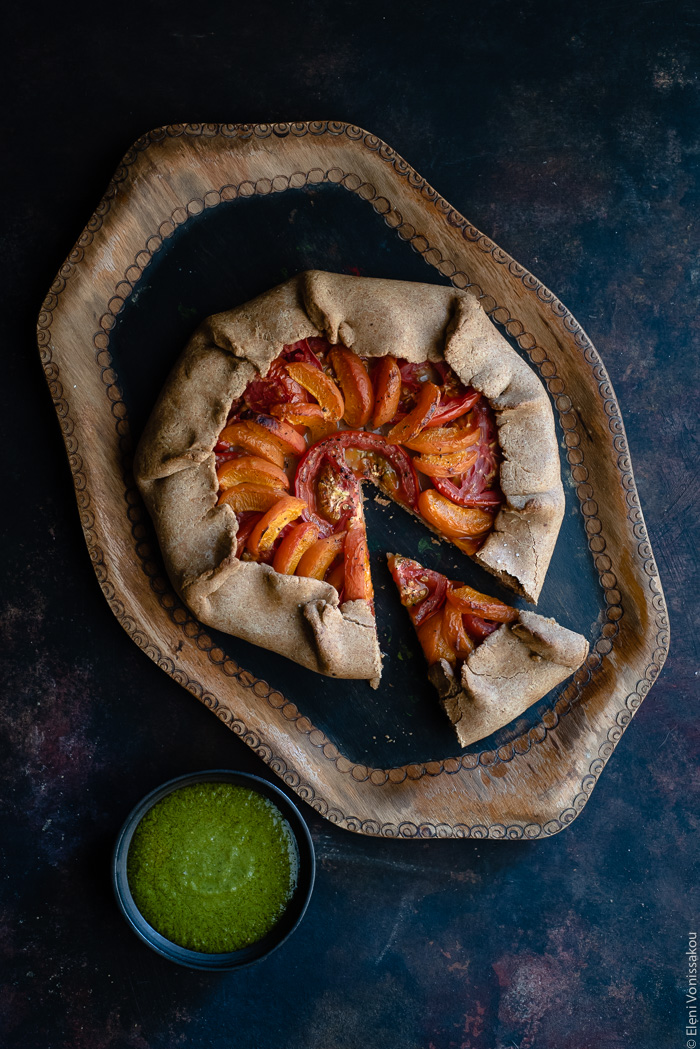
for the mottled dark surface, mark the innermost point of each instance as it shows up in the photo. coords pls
(568, 133)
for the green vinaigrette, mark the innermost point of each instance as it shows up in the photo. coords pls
(212, 866)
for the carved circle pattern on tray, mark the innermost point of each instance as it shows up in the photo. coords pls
(142, 534)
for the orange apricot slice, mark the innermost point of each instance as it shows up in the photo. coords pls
(443, 439)
(452, 464)
(270, 525)
(253, 439)
(290, 439)
(355, 384)
(293, 547)
(358, 580)
(454, 632)
(319, 558)
(426, 406)
(451, 520)
(320, 386)
(253, 469)
(433, 641)
(246, 496)
(466, 599)
(387, 391)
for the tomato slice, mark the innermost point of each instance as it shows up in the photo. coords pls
(251, 468)
(320, 386)
(466, 599)
(289, 438)
(387, 391)
(246, 496)
(477, 487)
(275, 387)
(358, 580)
(263, 536)
(246, 524)
(454, 408)
(447, 465)
(297, 413)
(478, 628)
(451, 520)
(252, 438)
(319, 557)
(333, 449)
(304, 350)
(355, 383)
(421, 590)
(293, 547)
(434, 642)
(412, 424)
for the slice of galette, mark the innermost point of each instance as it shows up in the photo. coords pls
(489, 662)
(253, 460)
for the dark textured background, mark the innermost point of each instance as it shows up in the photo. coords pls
(571, 136)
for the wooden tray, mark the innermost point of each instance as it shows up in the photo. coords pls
(199, 218)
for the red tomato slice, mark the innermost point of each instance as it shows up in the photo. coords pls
(333, 449)
(478, 487)
(304, 351)
(454, 408)
(421, 590)
(478, 628)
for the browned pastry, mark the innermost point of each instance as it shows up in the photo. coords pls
(302, 617)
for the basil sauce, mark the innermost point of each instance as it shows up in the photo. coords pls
(212, 866)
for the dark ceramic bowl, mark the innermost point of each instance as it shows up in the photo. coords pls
(286, 924)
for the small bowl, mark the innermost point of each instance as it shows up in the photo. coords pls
(287, 922)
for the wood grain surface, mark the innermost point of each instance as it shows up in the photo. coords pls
(535, 777)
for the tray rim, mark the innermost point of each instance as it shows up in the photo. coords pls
(378, 150)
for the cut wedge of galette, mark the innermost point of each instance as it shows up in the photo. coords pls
(253, 460)
(489, 662)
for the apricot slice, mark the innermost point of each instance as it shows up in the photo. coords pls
(452, 464)
(387, 391)
(251, 468)
(466, 599)
(443, 439)
(451, 520)
(254, 439)
(290, 439)
(433, 641)
(246, 496)
(320, 386)
(355, 384)
(270, 525)
(358, 580)
(294, 546)
(319, 558)
(426, 406)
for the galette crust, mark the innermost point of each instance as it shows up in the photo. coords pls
(175, 463)
(514, 667)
